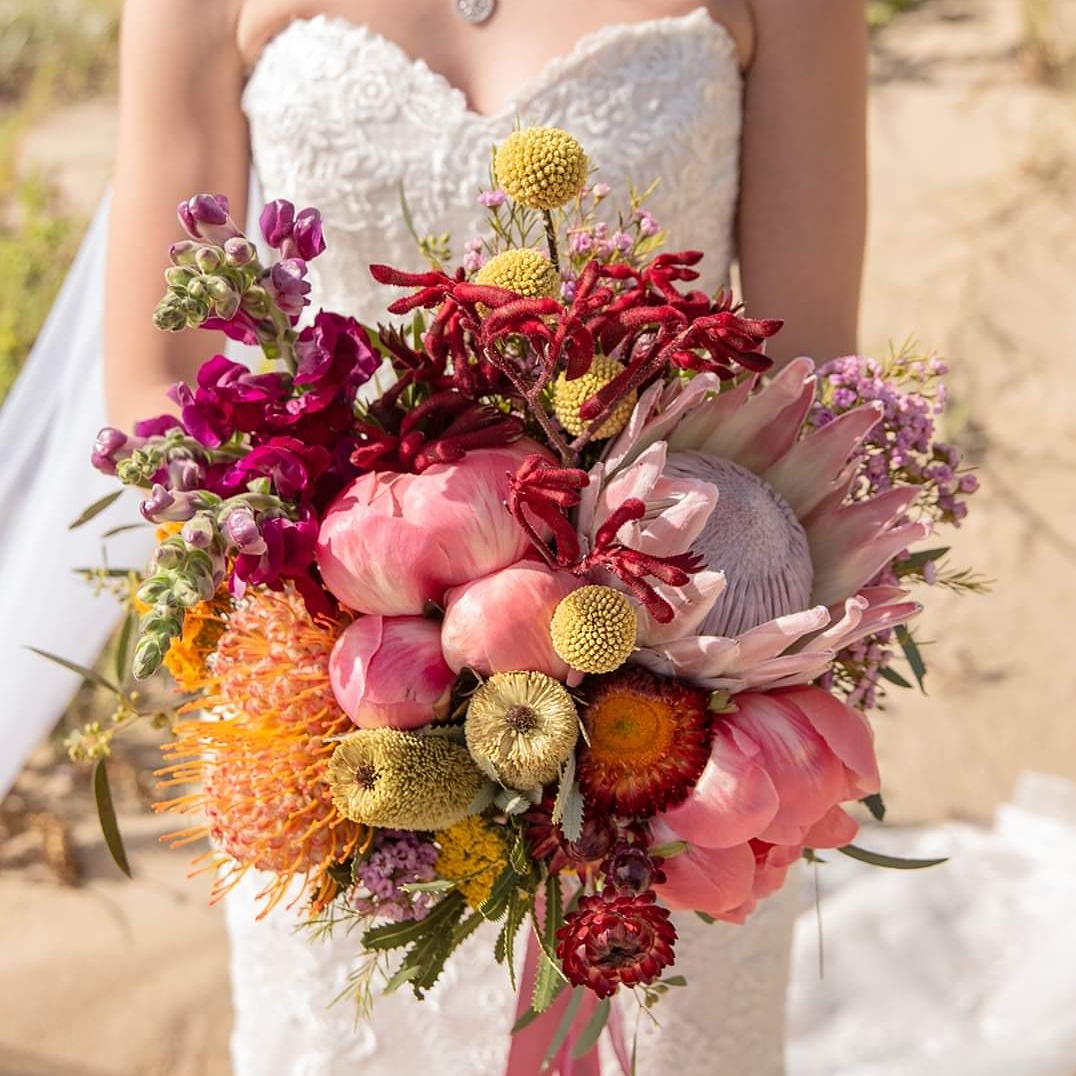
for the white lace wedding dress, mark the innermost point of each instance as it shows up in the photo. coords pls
(341, 118)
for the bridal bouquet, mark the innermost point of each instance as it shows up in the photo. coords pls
(545, 605)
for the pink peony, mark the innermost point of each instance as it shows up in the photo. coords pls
(779, 768)
(392, 542)
(501, 622)
(728, 883)
(389, 672)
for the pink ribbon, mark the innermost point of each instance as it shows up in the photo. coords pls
(531, 1044)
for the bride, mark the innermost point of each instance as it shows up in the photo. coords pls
(752, 111)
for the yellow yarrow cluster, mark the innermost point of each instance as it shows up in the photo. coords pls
(525, 271)
(541, 167)
(473, 855)
(569, 397)
(593, 629)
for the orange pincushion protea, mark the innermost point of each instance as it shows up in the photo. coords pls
(648, 741)
(262, 766)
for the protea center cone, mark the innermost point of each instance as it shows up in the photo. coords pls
(789, 555)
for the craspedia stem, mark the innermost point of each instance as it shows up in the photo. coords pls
(551, 239)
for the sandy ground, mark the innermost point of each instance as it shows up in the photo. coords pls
(971, 249)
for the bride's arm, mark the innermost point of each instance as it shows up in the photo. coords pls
(802, 219)
(182, 132)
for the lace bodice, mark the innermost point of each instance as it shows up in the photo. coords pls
(341, 118)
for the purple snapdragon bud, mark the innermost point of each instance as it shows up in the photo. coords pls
(185, 474)
(287, 286)
(295, 236)
(492, 199)
(205, 216)
(308, 236)
(198, 532)
(110, 447)
(184, 252)
(170, 506)
(242, 530)
(239, 251)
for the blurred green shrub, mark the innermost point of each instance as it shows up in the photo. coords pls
(882, 12)
(36, 248)
(65, 47)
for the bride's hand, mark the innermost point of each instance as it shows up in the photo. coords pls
(182, 131)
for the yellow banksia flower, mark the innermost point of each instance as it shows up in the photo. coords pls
(522, 270)
(473, 855)
(521, 727)
(569, 397)
(541, 167)
(399, 780)
(593, 629)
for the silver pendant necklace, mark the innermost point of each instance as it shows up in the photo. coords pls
(475, 11)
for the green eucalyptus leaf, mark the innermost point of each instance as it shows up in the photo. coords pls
(674, 980)
(403, 976)
(879, 859)
(875, 804)
(96, 509)
(706, 918)
(924, 556)
(122, 655)
(86, 673)
(894, 677)
(106, 814)
(123, 528)
(911, 652)
(588, 1039)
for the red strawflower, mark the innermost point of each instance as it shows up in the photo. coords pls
(629, 867)
(648, 741)
(549, 845)
(616, 938)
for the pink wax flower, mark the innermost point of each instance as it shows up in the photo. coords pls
(388, 672)
(500, 622)
(392, 542)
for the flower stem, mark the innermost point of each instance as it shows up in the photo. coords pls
(551, 239)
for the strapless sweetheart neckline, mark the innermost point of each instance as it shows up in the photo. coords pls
(553, 71)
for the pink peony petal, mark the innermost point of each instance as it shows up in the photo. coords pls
(808, 776)
(733, 800)
(389, 672)
(391, 542)
(847, 733)
(710, 880)
(500, 622)
(834, 829)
